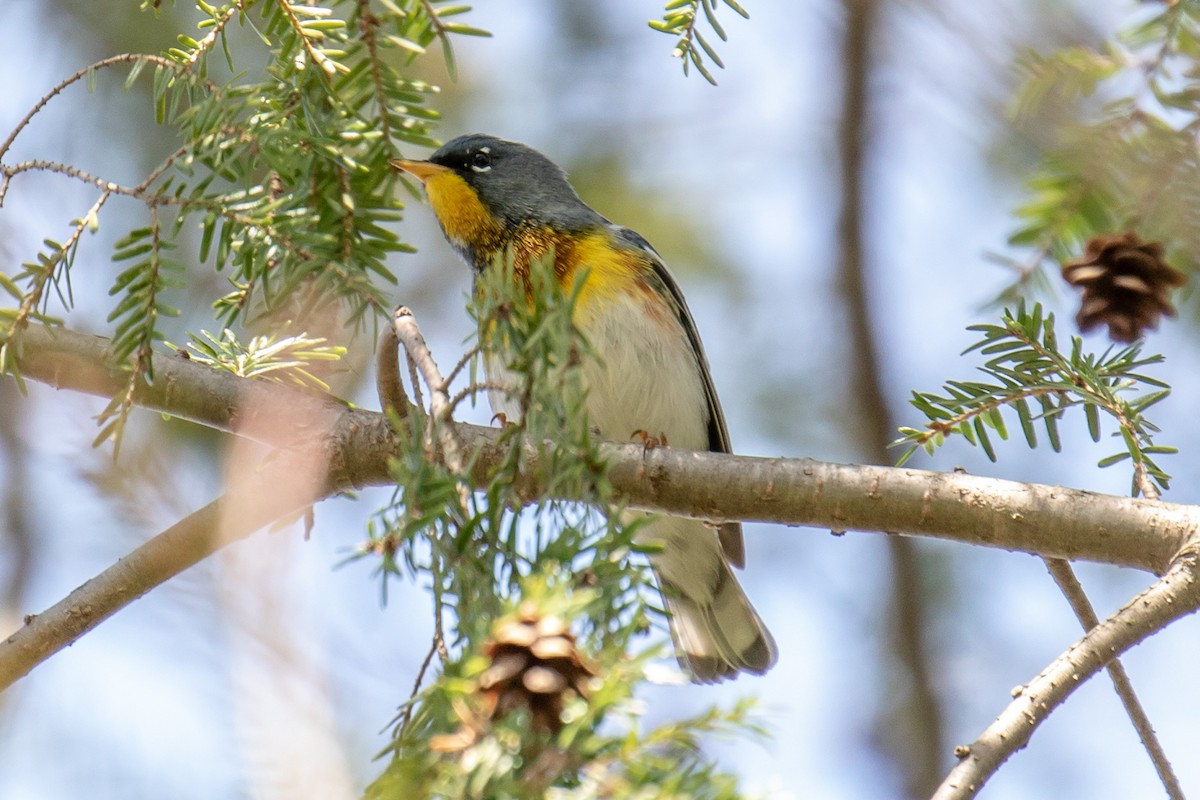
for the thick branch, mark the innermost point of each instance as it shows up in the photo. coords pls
(357, 446)
(1175, 595)
(1043, 520)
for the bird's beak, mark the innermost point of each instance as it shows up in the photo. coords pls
(423, 170)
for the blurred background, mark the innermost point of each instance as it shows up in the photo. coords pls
(829, 209)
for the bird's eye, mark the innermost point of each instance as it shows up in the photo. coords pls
(481, 161)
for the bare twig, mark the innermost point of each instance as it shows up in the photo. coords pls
(1175, 595)
(388, 385)
(474, 389)
(463, 362)
(124, 58)
(434, 643)
(1071, 588)
(440, 409)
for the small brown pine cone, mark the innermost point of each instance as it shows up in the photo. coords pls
(534, 665)
(1126, 285)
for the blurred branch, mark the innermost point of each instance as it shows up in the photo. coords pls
(358, 446)
(166, 555)
(915, 740)
(1071, 588)
(1175, 595)
(17, 531)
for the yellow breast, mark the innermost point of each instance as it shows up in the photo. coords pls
(610, 272)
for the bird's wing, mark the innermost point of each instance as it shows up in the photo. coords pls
(718, 434)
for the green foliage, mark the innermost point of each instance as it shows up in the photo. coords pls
(600, 751)
(140, 286)
(286, 359)
(1029, 375)
(482, 557)
(474, 546)
(281, 168)
(682, 21)
(1126, 159)
(285, 115)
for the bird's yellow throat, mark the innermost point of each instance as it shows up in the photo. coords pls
(469, 225)
(464, 218)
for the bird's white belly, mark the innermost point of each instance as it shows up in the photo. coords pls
(646, 376)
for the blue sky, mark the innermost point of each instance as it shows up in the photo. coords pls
(267, 669)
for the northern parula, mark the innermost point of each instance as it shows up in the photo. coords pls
(493, 196)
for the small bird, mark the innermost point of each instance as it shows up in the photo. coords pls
(493, 196)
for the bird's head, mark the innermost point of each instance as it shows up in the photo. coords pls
(483, 188)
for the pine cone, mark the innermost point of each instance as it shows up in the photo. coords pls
(1126, 285)
(535, 665)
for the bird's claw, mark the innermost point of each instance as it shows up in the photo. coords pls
(649, 442)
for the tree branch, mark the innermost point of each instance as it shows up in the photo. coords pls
(358, 446)
(1043, 520)
(1175, 595)
(388, 385)
(1072, 589)
(195, 537)
(910, 729)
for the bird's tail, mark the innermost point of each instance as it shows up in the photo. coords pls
(717, 632)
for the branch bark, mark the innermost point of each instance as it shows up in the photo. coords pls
(1033, 518)
(1072, 589)
(357, 446)
(184, 544)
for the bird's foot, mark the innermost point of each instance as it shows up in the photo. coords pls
(648, 441)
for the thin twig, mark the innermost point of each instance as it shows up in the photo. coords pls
(440, 418)
(439, 27)
(123, 58)
(1174, 595)
(462, 363)
(476, 388)
(37, 288)
(412, 696)
(1141, 479)
(1072, 589)
(326, 65)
